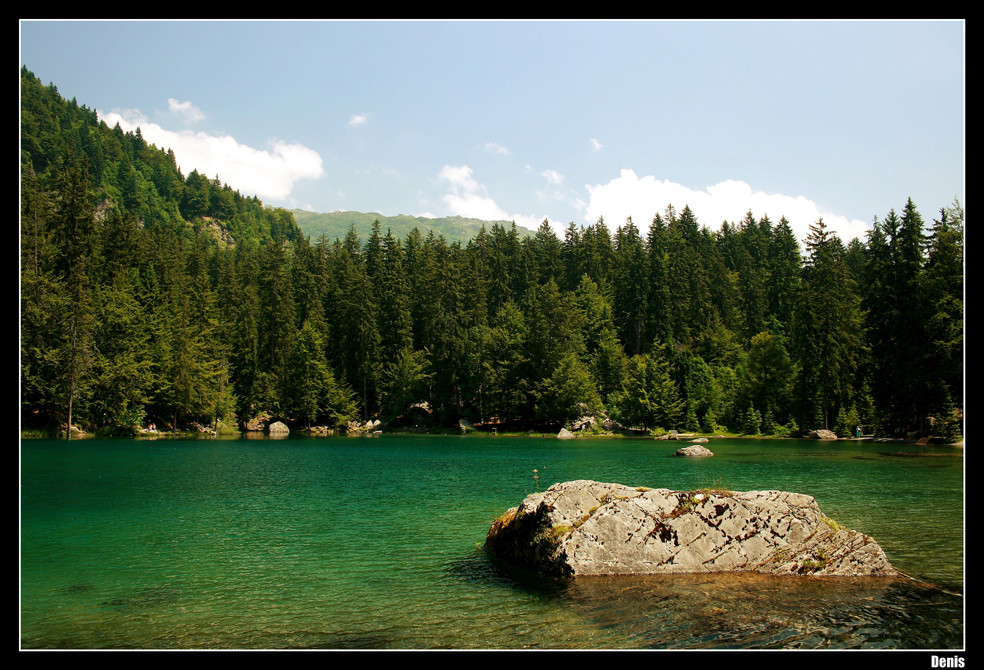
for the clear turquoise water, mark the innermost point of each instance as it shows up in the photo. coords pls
(375, 543)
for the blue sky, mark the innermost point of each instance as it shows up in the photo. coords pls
(526, 120)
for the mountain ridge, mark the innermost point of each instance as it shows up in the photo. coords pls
(336, 225)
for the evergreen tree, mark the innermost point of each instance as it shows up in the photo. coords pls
(785, 266)
(943, 290)
(568, 393)
(506, 365)
(766, 376)
(658, 303)
(649, 397)
(73, 228)
(826, 331)
(353, 320)
(44, 301)
(546, 253)
(405, 381)
(311, 379)
(395, 321)
(244, 317)
(631, 287)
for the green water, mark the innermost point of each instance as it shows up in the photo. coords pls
(375, 543)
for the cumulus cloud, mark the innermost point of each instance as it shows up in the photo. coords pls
(642, 198)
(358, 119)
(469, 198)
(185, 110)
(268, 173)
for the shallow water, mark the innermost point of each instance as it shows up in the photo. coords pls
(375, 543)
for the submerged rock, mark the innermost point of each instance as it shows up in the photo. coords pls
(585, 527)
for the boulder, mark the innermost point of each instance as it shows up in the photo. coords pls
(694, 451)
(822, 434)
(565, 434)
(586, 527)
(465, 427)
(699, 440)
(278, 428)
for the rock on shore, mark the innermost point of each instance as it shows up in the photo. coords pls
(585, 527)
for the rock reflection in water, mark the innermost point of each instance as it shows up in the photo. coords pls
(747, 610)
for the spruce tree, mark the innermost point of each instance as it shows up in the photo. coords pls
(73, 228)
(826, 330)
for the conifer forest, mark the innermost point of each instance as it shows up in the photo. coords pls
(150, 296)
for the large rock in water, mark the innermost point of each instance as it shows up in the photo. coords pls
(694, 451)
(278, 428)
(590, 528)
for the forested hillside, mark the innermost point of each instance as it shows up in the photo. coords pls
(150, 296)
(337, 224)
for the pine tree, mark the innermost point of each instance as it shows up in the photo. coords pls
(44, 301)
(649, 397)
(546, 252)
(394, 318)
(568, 393)
(785, 265)
(826, 330)
(506, 365)
(405, 381)
(73, 228)
(943, 290)
(353, 320)
(244, 320)
(766, 376)
(631, 287)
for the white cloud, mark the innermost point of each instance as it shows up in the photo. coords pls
(554, 178)
(595, 144)
(186, 110)
(497, 148)
(469, 198)
(358, 119)
(269, 174)
(642, 198)
(460, 178)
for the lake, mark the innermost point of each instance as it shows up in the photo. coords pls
(375, 543)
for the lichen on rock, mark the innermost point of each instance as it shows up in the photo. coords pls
(585, 527)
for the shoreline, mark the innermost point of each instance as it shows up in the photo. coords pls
(449, 432)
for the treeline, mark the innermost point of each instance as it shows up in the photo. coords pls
(151, 297)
